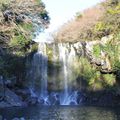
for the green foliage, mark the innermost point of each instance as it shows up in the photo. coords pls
(85, 68)
(18, 36)
(99, 26)
(111, 18)
(95, 81)
(19, 42)
(96, 50)
(116, 66)
(34, 47)
(38, 1)
(4, 3)
(12, 66)
(118, 36)
(109, 79)
(113, 52)
(109, 23)
(101, 81)
(49, 53)
(27, 26)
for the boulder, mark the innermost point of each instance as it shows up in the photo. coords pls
(11, 99)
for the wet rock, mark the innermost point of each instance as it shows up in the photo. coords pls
(11, 99)
(54, 98)
(25, 93)
(15, 119)
(1, 118)
(9, 83)
(57, 102)
(72, 103)
(32, 100)
(41, 101)
(22, 118)
(4, 104)
(106, 99)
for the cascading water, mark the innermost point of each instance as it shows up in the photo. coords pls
(67, 54)
(64, 54)
(39, 74)
(43, 63)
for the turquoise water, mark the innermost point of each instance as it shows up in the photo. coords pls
(62, 113)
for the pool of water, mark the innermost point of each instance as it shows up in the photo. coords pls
(62, 113)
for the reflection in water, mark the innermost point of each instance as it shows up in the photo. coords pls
(62, 113)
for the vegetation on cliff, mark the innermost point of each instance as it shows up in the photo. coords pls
(96, 24)
(19, 19)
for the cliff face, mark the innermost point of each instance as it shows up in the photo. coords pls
(97, 30)
(86, 65)
(19, 19)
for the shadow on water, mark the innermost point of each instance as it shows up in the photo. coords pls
(62, 113)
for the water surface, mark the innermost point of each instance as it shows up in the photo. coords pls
(62, 113)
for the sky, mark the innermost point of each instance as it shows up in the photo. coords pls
(60, 11)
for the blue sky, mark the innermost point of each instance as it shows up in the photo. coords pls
(60, 11)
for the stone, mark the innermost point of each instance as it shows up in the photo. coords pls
(23, 92)
(11, 99)
(16, 119)
(32, 100)
(22, 118)
(1, 118)
(106, 39)
(4, 104)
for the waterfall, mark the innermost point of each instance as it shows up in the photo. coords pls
(62, 54)
(43, 65)
(67, 55)
(39, 74)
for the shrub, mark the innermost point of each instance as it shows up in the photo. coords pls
(85, 69)
(96, 50)
(19, 42)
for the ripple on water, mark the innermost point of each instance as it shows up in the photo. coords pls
(62, 113)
